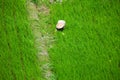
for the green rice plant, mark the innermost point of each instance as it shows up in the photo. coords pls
(88, 48)
(18, 60)
(35, 1)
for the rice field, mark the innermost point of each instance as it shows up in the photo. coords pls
(18, 59)
(87, 49)
(89, 46)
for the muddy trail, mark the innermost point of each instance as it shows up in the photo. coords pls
(38, 15)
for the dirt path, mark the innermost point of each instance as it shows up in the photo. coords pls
(43, 39)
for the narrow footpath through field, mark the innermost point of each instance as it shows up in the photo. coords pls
(38, 15)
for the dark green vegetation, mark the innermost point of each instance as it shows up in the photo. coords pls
(88, 48)
(17, 52)
(35, 1)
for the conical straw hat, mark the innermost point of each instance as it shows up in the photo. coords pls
(60, 24)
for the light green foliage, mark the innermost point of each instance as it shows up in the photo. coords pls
(17, 52)
(89, 48)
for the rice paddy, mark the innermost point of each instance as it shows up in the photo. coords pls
(87, 49)
(18, 59)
